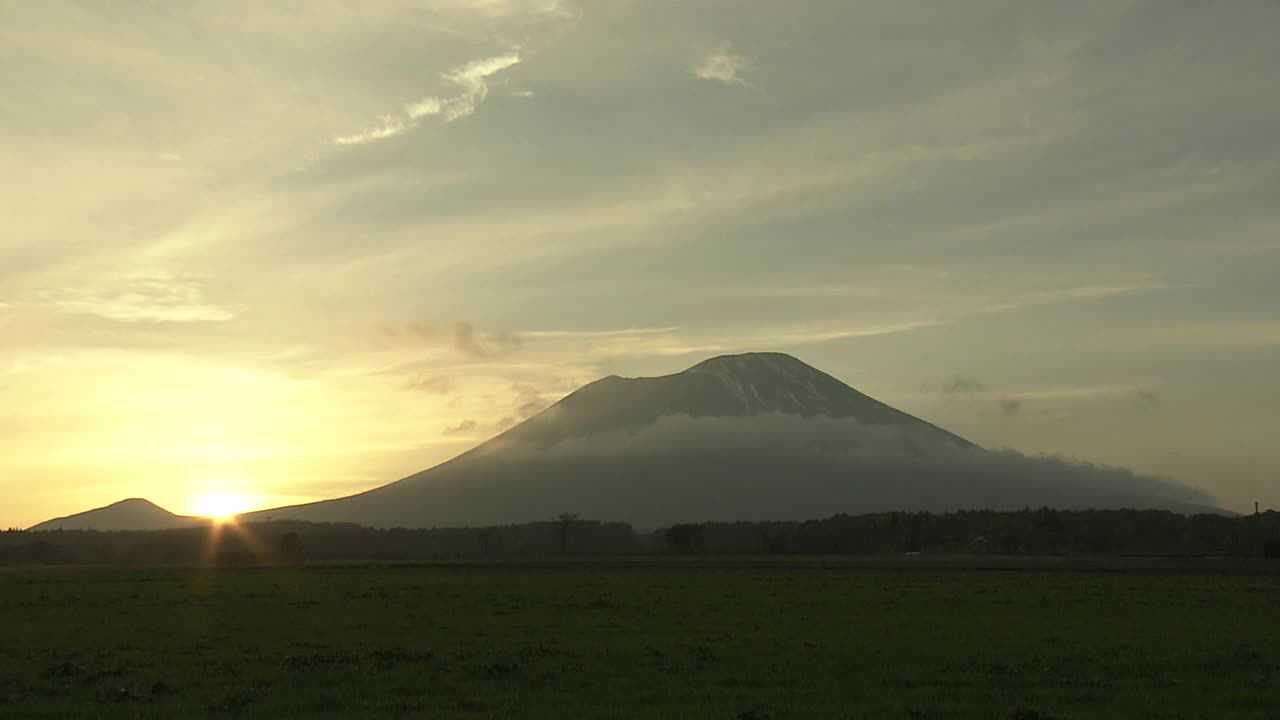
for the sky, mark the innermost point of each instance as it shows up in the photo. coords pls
(278, 252)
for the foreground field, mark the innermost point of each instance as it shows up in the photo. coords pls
(581, 641)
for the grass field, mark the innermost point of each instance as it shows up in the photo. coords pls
(584, 641)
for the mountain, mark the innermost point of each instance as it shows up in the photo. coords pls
(740, 437)
(131, 514)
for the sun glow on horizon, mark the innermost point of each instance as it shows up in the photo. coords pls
(221, 505)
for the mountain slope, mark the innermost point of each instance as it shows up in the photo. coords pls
(131, 514)
(740, 437)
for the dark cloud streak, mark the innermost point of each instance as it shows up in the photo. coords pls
(1145, 400)
(466, 427)
(1010, 406)
(963, 385)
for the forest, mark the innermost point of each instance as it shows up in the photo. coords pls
(1042, 531)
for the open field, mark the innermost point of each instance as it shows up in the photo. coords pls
(738, 640)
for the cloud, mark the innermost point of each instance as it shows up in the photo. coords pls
(471, 79)
(832, 465)
(426, 332)
(529, 400)
(500, 8)
(424, 107)
(468, 342)
(1078, 393)
(433, 385)
(1146, 400)
(721, 65)
(1010, 406)
(147, 296)
(963, 385)
(575, 334)
(466, 427)
(390, 126)
(471, 82)
(464, 338)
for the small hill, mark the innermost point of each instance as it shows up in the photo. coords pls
(131, 514)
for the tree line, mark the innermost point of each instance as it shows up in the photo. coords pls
(1042, 531)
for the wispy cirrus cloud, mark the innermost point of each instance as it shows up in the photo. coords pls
(471, 82)
(390, 126)
(141, 297)
(1079, 393)
(515, 7)
(574, 334)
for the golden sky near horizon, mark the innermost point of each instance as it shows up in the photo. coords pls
(282, 252)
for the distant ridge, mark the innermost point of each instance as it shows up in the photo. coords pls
(130, 514)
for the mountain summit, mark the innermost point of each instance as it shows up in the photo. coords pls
(758, 436)
(744, 385)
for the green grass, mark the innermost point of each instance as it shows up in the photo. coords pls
(610, 642)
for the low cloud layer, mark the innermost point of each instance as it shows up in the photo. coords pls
(996, 478)
(773, 467)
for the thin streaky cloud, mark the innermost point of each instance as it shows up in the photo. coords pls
(390, 126)
(1076, 393)
(550, 334)
(145, 297)
(473, 87)
(499, 8)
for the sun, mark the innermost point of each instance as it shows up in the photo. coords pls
(221, 505)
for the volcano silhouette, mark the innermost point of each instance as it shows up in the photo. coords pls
(758, 436)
